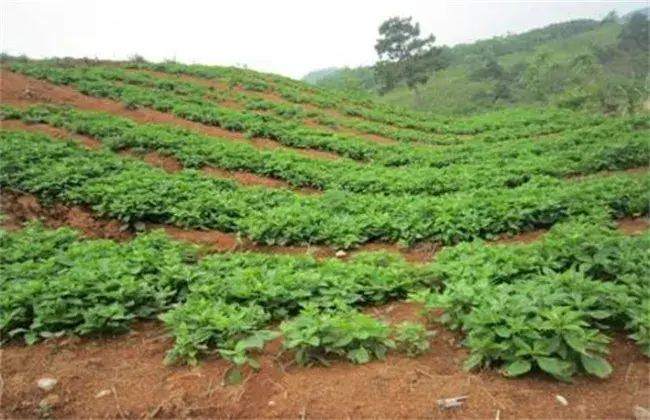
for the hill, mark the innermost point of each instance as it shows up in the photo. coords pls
(269, 233)
(579, 64)
(317, 75)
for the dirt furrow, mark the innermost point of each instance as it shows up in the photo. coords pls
(166, 163)
(138, 384)
(19, 207)
(20, 90)
(272, 97)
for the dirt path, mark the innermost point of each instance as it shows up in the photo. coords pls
(124, 377)
(20, 90)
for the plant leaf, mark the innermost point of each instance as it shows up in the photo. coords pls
(235, 376)
(474, 361)
(596, 366)
(558, 368)
(518, 367)
(359, 355)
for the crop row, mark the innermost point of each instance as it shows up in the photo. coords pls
(289, 133)
(133, 191)
(196, 150)
(558, 123)
(531, 121)
(292, 134)
(545, 305)
(251, 102)
(528, 123)
(523, 124)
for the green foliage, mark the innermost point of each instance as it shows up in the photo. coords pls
(200, 324)
(539, 306)
(412, 338)
(475, 166)
(404, 56)
(314, 336)
(620, 48)
(51, 282)
(544, 305)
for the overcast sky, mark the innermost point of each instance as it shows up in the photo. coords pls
(290, 37)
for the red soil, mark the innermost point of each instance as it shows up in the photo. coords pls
(138, 385)
(54, 132)
(19, 90)
(375, 137)
(165, 163)
(631, 226)
(272, 97)
(521, 238)
(251, 179)
(18, 208)
(637, 170)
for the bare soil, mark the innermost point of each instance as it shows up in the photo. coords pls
(20, 90)
(633, 226)
(124, 377)
(56, 133)
(19, 208)
(272, 97)
(166, 163)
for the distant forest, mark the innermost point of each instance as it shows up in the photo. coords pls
(591, 65)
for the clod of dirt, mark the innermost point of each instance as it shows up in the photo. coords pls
(454, 402)
(641, 413)
(561, 400)
(47, 384)
(103, 393)
(341, 253)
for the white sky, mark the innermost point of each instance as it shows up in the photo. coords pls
(289, 37)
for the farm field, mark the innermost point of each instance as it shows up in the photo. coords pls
(196, 241)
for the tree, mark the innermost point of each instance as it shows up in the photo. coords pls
(635, 34)
(612, 16)
(489, 69)
(404, 56)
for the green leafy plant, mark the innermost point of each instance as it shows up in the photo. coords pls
(314, 336)
(240, 354)
(412, 338)
(200, 326)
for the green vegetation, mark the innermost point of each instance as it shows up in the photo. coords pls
(132, 191)
(315, 334)
(580, 65)
(412, 338)
(470, 167)
(546, 304)
(549, 304)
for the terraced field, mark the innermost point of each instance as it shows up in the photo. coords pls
(271, 228)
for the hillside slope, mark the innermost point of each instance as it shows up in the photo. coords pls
(318, 213)
(576, 64)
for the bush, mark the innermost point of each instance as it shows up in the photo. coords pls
(315, 335)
